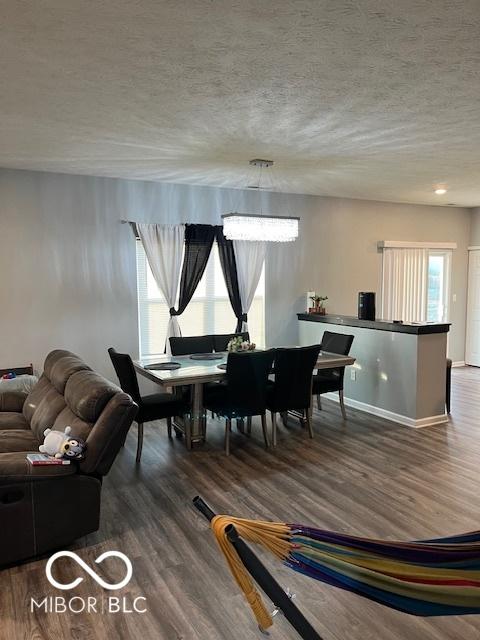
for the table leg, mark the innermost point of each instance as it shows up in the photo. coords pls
(194, 428)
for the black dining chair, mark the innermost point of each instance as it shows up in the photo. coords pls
(156, 406)
(244, 393)
(221, 340)
(184, 346)
(330, 380)
(292, 388)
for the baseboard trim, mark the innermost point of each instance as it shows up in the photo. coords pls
(458, 363)
(429, 421)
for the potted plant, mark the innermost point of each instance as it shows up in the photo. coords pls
(318, 304)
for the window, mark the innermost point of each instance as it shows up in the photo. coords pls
(416, 284)
(438, 285)
(209, 310)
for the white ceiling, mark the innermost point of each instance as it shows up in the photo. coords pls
(374, 99)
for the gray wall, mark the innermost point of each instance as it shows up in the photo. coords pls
(345, 234)
(67, 265)
(475, 228)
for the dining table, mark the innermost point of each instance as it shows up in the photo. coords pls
(197, 369)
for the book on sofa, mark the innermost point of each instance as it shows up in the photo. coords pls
(37, 459)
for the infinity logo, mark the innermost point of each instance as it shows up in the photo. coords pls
(91, 573)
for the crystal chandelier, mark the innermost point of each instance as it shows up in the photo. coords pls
(252, 226)
(259, 227)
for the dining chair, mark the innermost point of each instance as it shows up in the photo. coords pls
(330, 380)
(156, 406)
(244, 393)
(221, 340)
(291, 389)
(184, 346)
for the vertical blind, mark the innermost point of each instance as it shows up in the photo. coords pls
(404, 284)
(415, 284)
(209, 310)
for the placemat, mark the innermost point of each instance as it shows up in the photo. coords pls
(222, 366)
(163, 366)
(207, 356)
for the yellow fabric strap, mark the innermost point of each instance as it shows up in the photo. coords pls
(271, 535)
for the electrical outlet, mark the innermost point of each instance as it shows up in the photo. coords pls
(353, 374)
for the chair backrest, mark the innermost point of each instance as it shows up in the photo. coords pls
(184, 346)
(292, 388)
(340, 343)
(220, 341)
(247, 377)
(123, 365)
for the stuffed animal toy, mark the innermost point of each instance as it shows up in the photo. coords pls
(61, 445)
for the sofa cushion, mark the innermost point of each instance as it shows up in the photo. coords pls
(87, 394)
(42, 407)
(80, 428)
(15, 467)
(12, 420)
(12, 440)
(12, 400)
(60, 365)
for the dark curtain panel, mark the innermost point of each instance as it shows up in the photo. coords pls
(198, 244)
(229, 268)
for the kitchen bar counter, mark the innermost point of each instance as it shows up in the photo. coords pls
(382, 325)
(400, 369)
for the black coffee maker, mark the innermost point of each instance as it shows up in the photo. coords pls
(366, 305)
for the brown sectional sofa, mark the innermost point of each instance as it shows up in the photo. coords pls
(45, 508)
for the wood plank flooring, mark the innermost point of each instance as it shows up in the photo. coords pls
(366, 476)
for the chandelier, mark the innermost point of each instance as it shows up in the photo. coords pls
(259, 227)
(252, 226)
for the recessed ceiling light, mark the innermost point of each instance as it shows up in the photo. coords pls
(440, 191)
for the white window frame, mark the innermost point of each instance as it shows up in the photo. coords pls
(447, 279)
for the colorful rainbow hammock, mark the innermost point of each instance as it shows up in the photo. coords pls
(426, 578)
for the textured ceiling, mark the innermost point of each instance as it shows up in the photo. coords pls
(356, 98)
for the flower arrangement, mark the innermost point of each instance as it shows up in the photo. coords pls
(238, 344)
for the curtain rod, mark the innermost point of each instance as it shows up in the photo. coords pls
(133, 225)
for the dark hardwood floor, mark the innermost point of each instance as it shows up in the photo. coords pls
(366, 476)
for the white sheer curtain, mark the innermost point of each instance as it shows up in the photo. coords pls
(405, 284)
(164, 246)
(249, 258)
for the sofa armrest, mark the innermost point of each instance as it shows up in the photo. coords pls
(14, 467)
(12, 401)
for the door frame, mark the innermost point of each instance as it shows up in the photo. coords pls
(470, 248)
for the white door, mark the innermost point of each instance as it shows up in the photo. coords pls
(472, 348)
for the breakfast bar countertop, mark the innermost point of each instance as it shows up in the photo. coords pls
(419, 328)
